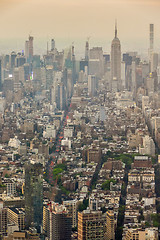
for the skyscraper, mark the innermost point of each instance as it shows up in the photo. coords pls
(110, 226)
(90, 225)
(87, 51)
(30, 46)
(116, 63)
(154, 61)
(3, 220)
(52, 45)
(12, 59)
(29, 49)
(0, 75)
(92, 85)
(33, 196)
(57, 222)
(151, 38)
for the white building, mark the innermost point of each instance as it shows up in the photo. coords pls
(68, 132)
(66, 143)
(71, 206)
(148, 146)
(14, 142)
(50, 131)
(11, 188)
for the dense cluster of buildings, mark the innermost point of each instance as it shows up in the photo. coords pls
(78, 139)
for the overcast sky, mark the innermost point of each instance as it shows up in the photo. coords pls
(78, 19)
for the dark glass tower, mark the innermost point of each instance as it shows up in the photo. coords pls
(33, 196)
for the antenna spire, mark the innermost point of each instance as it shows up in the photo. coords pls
(116, 28)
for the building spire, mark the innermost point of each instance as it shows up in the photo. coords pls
(116, 28)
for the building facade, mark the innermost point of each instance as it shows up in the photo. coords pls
(33, 196)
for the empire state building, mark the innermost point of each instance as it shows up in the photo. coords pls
(116, 63)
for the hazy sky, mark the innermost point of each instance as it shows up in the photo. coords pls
(71, 20)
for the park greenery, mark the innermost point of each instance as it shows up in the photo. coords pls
(83, 206)
(106, 184)
(126, 158)
(58, 169)
(156, 220)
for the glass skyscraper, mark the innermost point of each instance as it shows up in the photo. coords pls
(34, 196)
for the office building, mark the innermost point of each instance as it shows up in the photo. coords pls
(52, 45)
(96, 62)
(11, 187)
(92, 85)
(110, 225)
(71, 206)
(116, 62)
(0, 75)
(148, 146)
(20, 60)
(16, 75)
(30, 45)
(29, 49)
(151, 39)
(150, 84)
(87, 51)
(3, 220)
(36, 61)
(60, 222)
(154, 61)
(62, 96)
(17, 216)
(90, 225)
(33, 196)
(94, 153)
(12, 60)
(142, 234)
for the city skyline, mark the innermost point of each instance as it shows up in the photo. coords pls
(70, 21)
(79, 120)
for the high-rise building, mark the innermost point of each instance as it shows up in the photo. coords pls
(151, 39)
(30, 45)
(58, 223)
(71, 206)
(12, 60)
(62, 95)
(16, 75)
(94, 153)
(6, 61)
(3, 220)
(87, 51)
(116, 61)
(26, 71)
(29, 49)
(92, 85)
(154, 61)
(148, 146)
(110, 226)
(36, 61)
(34, 196)
(17, 216)
(96, 62)
(0, 75)
(90, 225)
(150, 84)
(52, 45)
(20, 60)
